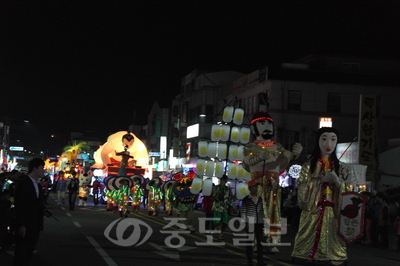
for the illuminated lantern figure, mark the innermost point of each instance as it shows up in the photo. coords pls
(83, 193)
(266, 160)
(320, 193)
(155, 196)
(123, 197)
(127, 140)
(169, 197)
(137, 192)
(185, 198)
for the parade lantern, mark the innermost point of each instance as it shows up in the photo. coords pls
(203, 148)
(212, 150)
(244, 135)
(207, 186)
(114, 143)
(215, 133)
(232, 173)
(238, 116)
(196, 185)
(225, 129)
(235, 134)
(241, 173)
(240, 153)
(247, 176)
(219, 169)
(209, 171)
(242, 190)
(200, 166)
(228, 113)
(221, 150)
(233, 152)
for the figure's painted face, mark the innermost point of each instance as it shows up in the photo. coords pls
(327, 143)
(265, 129)
(182, 191)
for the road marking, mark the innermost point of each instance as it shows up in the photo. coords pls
(77, 224)
(68, 214)
(101, 251)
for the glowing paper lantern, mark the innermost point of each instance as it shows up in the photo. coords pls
(233, 152)
(196, 185)
(203, 148)
(207, 187)
(242, 190)
(247, 176)
(240, 153)
(232, 172)
(216, 133)
(200, 166)
(212, 150)
(225, 130)
(244, 135)
(235, 134)
(209, 171)
(238, 116)
(219, 169)
(228, 113)
(241, 173)
(221, 150)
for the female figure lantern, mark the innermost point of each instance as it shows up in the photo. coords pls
(319, 196)
(266, 160)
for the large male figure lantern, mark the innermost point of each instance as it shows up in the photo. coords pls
(266, 160)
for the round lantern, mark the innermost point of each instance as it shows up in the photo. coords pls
(238, 116)
(224, 132)
(212, 150)
(221, 150)
(207, 187)
(228, 113)
(233, 152)
(216, 133)
(203, 148)
(244, 135)
(196, 185)
(219, 169)
(232, 172)
(235, 134)
(200, 166)
(242, 190)
(209, 170)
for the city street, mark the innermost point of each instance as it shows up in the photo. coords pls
(92, 236)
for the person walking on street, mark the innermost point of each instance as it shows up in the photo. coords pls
(96, 190)
(29, 210)
(61, 187)
(223, 204)
(252, 213)
(73, 187)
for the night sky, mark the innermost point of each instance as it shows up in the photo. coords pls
(88, 67)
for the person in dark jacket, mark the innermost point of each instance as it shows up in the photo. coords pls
(73, 186)
(252, 213)
(29, 212)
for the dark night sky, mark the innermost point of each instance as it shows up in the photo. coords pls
(76, 67)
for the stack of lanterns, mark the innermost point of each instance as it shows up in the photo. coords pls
(224, 154)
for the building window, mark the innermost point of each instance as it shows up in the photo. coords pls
(294, 100)
(334, 102)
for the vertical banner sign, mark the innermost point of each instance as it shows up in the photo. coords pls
(367, 133)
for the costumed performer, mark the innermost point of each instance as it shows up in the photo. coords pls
(185, 199)
(266, 160)
(137, 193)
(169, 197)
(223, 205)
(155, 196)
(123, 197)
(319, 196)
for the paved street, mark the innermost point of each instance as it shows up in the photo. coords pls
(92, 236)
